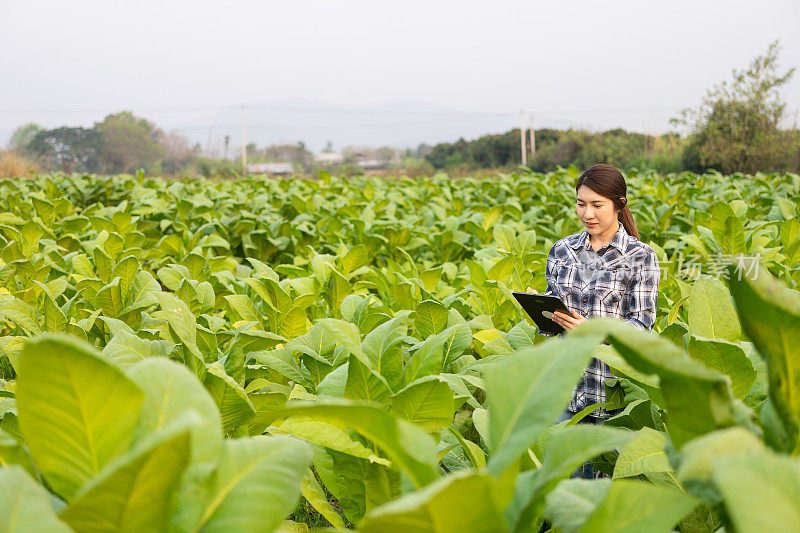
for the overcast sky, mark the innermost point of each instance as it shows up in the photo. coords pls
(583, 63)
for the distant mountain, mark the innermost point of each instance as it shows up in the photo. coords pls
(398, 124)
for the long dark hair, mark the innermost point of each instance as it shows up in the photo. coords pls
(608, 181)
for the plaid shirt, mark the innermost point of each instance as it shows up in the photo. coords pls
(618, 280)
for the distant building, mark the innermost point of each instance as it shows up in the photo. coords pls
(329, 158)
(274, 169)
(371, 164)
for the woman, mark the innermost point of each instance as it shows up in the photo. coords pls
(603, 271)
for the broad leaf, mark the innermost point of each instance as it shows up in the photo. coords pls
(696, 396)
(566, 449)
(24, 505)
(761, 491)
(729, 359)
(408, 446)
(528, 390)
(464, 501)
(430, 318)
(770, 314)
(234, 405)
(256, 486)
(427, 402)
(383, 348)
(711, 312)
(643, 455)
(364, 384)
(134, 492)
(76, 410)
(170, 391)
(126, 349)
(573, 500)
(636, 506)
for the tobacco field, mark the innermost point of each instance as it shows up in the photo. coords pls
(337, 354)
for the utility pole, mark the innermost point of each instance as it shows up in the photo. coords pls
(533, 140)
(522, 137)
(244, 147)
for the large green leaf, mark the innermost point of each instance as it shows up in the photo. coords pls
(637, 506)
(234, 405)
(464, 501)
(527, 391)
(728, 358)
(19, 312)
(761, 492)
(711, 312)
(521, 336)
(170, 391)
(696, 396)
(142, 293)
(643, 455)
(573, 500)
(126, 349)
(135, 491)
(344, 333)
(407, 445)
(430, 318)
(344, 477)
(12, 450)
(427, 402)
(770, 314)
(365, 384)
(332, 434)
(24, 505)
(383, 348)
(435, 353)
(76, 410)
(318, 343)
(355, 257)
(256, 485)
(566, 449)
(698, 455)
(54, 318)
(183, 325)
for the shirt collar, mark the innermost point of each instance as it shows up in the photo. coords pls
(617, 241)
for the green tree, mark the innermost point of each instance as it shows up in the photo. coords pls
(128, 142)
(73, 149)
(23, 136)
(738, 124)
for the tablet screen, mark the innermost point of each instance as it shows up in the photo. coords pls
(540, 308)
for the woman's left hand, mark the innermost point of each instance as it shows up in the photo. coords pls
(568, 321)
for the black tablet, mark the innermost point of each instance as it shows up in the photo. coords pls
(540, 308)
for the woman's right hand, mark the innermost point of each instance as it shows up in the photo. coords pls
(531, 290)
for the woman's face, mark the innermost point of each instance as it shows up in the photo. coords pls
(596, 212)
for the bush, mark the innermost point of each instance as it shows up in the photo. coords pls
(13, 165)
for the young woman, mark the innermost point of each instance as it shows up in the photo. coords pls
(603, 271)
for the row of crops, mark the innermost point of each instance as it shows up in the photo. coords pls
(261, 355)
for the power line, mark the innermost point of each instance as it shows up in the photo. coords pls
(323, 126)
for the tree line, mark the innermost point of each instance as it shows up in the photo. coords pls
(741, 125)
(121, 142)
